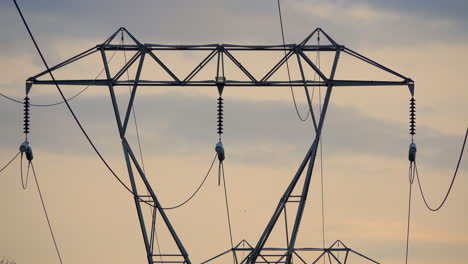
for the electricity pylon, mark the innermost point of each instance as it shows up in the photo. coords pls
(222, 52)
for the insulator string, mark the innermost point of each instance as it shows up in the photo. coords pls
(412, 123)
(220, 116)
(26, 105)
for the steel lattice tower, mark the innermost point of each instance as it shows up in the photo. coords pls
(258, 253)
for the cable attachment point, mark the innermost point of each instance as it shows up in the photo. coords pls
(220, 116)
(412, 122)
(412, 152)
(220, 151)
(221, 156)
(26, 105)
(26, 149)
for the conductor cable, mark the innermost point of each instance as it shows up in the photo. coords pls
(8, 164)
(46, 214)
(67, 99)
(437, 208)
(71, 110)
(303, 119)
(196, 191)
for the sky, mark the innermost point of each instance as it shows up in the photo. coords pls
(365, 137)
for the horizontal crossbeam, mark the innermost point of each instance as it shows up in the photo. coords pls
(104, 82)
(228, 47)
(271, 79)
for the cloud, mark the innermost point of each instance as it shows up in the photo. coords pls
(370, 23)
(452, 9)
(256, 132)
(263, 138)
(376, 23)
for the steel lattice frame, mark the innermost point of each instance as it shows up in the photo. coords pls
(150, 51)
(278, 255)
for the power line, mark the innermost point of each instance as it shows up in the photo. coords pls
(411, 180)
(321, 145)
(198, 189)
(287, 67)
(434, 209)
(46, 215)
(63, 101)
(8, 164)
(24, 184)
(82, 128)
(11, 99)
(228, 214)
(71, 110)
(413, 172)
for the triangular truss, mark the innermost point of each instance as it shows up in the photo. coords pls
(295, 53)
(221, 77)
(337, 253)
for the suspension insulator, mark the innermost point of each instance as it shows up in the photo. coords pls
(26, 148)
(412, 152)
(220, 151)
(412, 125)
(220, 115)
(26, 115)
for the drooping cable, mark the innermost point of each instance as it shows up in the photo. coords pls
(437, 208)
(71, 110)
(8, 164)
(24, 183)
(318, 62)
(287, 68)
(11, 99)
(228, 214)
(196, 191)
(412, 167)
(69, 98)
(411, 180)
(46, 214)
(80, 125)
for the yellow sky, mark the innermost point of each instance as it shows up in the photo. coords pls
(366, 185)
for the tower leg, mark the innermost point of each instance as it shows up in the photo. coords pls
(309, 160)
(132, 162)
